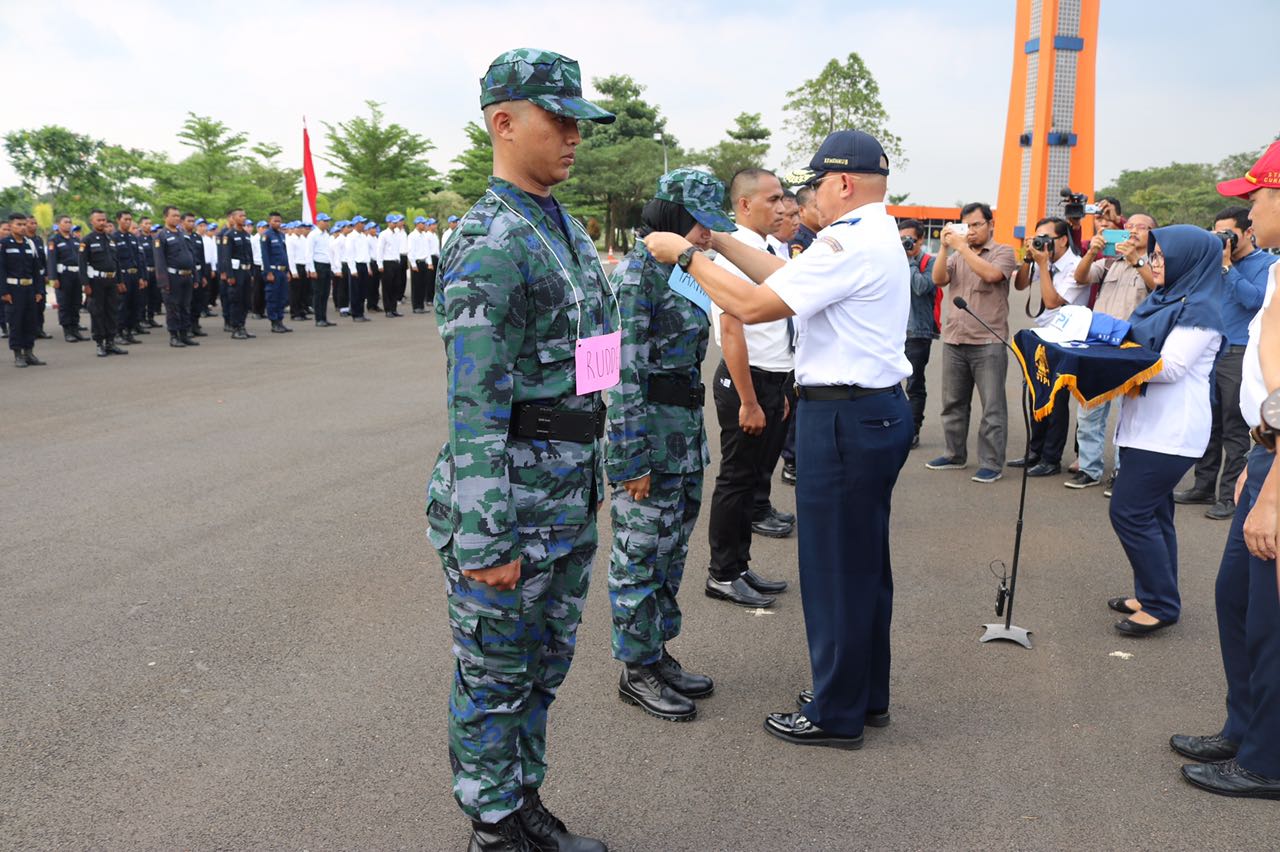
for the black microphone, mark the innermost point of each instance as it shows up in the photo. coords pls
(960, 303)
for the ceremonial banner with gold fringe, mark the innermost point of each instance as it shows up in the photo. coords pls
(1095, 372)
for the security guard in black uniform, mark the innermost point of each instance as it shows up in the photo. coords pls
(199, 278)
(151, 300)
(235, 270)
(175, 271)
(21, 290)
(33, 233)
(64, 276)
(129, 318)
(100, 277)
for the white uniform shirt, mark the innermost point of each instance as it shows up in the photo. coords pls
(417, 247)
(1253, 390)
(388, 246)
(433, 246)
(448, 235)
(317, 249)
(357, 248)
(210, 248)
(852, 293)
(371, 241)
(402, 240)
(255, 240)
(768, 346)
(1064, 281)
(291, 251)
(1174, 416)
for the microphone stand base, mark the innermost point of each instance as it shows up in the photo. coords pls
(1010, 634)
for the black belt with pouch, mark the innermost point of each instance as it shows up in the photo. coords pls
(548, 423)
(828, 393)
(676, 390)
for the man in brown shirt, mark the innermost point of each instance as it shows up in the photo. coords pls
(1125, 280)
(976, 268)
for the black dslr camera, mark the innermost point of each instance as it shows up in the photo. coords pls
(1076, 204)
(1042, 242)
(1228, 238)
(909, 243)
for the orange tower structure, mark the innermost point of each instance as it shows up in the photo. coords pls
(1048, 137)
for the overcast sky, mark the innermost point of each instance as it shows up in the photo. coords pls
(1175, 76)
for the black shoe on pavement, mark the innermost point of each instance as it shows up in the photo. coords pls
(915, 440)
(763, 586)
(642, 686)
(31, 358)
(772, 527)
(152, 322)
(102, 349)
(1129, 627)
(176, 341)
(1080, 480)
(1223, 510)
(188, 339)
(138, 329)
(196, 331)
(43, 335)
(1045, 469)
(1029, 461)
(241, 334)
(228, 327)
(278, 327)
(795, 728)
(71, 338)
(360, 319)
(18, 359)
(324, 323)
(788, 473)
(1194, 495)
(113, 349)
(546, 832)
(419, 310)
(874, 718)
(1204, 749)
(737, 591)
(1110, 486)
(687, 684)
(1229, 778)
(785, 517)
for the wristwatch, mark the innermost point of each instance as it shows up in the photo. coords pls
(1140, 262)
(686, 258)
(1265, 432)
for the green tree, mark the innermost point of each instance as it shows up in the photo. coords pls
(52, 161)
(746, 146)
(381, 165)
(841, 97)
(471, 178)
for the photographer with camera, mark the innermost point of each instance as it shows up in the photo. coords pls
(1050, 261)
(922, 325)
(977, 268)
(1124, 280)
(1244, 278)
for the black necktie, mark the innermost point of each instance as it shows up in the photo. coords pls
(791, 326)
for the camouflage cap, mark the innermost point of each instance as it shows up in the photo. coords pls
(698, 192)
(543, 77)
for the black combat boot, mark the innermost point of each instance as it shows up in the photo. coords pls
(643, 686)
(226, 326)
(505, 835)
(125, 337)
(113, 349)
(196, 331)
(188, 339)
(71, 336)
(687, 684)
(175, 340)
(19, 360)
(548, 834)
(31, 358)
(102, 349)
(138, 329)
(278, 327)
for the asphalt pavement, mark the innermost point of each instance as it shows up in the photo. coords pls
(222, 627)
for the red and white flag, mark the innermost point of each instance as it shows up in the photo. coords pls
(308, 179)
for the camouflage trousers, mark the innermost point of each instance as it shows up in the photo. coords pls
(513, 650)
(650, 543)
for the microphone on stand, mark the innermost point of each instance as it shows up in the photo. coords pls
(1004, 595)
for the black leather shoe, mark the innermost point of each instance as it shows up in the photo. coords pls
(795, 728)
(738, 591)
(1204, 749)
(785, 517)
(687, 684)
(915, 441)
(1229, 778)
(141, 330)
(874, 718)
(419, 310)
(788, 473)
(1028, 461)
(642, 686)
(43, 335)
(1194, 495)
(102, 349)
(31, 359)
(360, 319)
(279, 327)
(71, 337)
(546, 832)
(18, 360)
(227, 328)
(1119, 605)
(772, 527)
(175, 340)
(113, 349)
(241, 334)
(763, 586)
(152, 322)
(196, 331)
(324, 323)
(1045, 469)
(188, 339)
(1223, 510)
(1129, 627)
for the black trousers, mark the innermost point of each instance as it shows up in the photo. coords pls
(418, 285)
(177, 303)
(199, 298)
(70, 299)
(236, 297)
(320, 291)
(341, 283)
(258, 293)
(299, 292)
(764, 487)
(359, 281)
(371, 287)
(155, 299)
(390, 284)
(431, 278)
(104, 308)
(1049, 436)
(404, 278)
(1229, 440)
(743, 460)
(130, 316)
(917, 351)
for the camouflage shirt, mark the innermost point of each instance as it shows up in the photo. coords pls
(662, 333)
(511, 321)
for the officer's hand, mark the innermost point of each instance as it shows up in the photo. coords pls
(88, 291)
(750, 417)
(665, 247)
(311, 275)
(1260, 526)
(142, 285)
(500, 577)
(57, 285)
(121, 288)
(7, 299)
(39, 297)
(271, 276)
(786, 407)
(429, 266)
(638, 488)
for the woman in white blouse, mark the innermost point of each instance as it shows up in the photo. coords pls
(1165, 430)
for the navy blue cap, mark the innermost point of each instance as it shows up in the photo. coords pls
(849, 151)
(154, 228)
(75, 228)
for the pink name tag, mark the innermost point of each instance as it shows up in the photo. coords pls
(598, 361)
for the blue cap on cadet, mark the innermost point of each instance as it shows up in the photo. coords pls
(453, 218)
(370, 226)
(419, 220)
(323, 217)
(75, 228)
(431, 221)
(391, 217)
(199, 221)
(262, 223)
(848, 151)
(154, 228)
(356, 220)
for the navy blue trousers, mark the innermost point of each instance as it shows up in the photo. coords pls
(277, 291)
(1142, 516)
(129, 314)
(1249, 635)
(849, 454)
(356, 293)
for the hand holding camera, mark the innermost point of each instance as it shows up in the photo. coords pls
(954, 236)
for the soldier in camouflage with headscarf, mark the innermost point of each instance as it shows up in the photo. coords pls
(512, 500)
(658, 445)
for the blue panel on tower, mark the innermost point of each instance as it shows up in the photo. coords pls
(1020, 231)
(1067, 139)
(1067, 43)
(1031, 46)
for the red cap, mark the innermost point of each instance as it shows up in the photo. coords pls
(1265, 174)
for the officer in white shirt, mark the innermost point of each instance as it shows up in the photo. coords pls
(371, 237)
(389, 255)
(338, 259)
(320, 268)
(850, 292)
(257, 302)
(1051, 261)
(448, 234)
(419, 263)
(358, 258)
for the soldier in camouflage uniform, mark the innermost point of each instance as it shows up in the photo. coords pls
(512, 500)
(658, 448)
